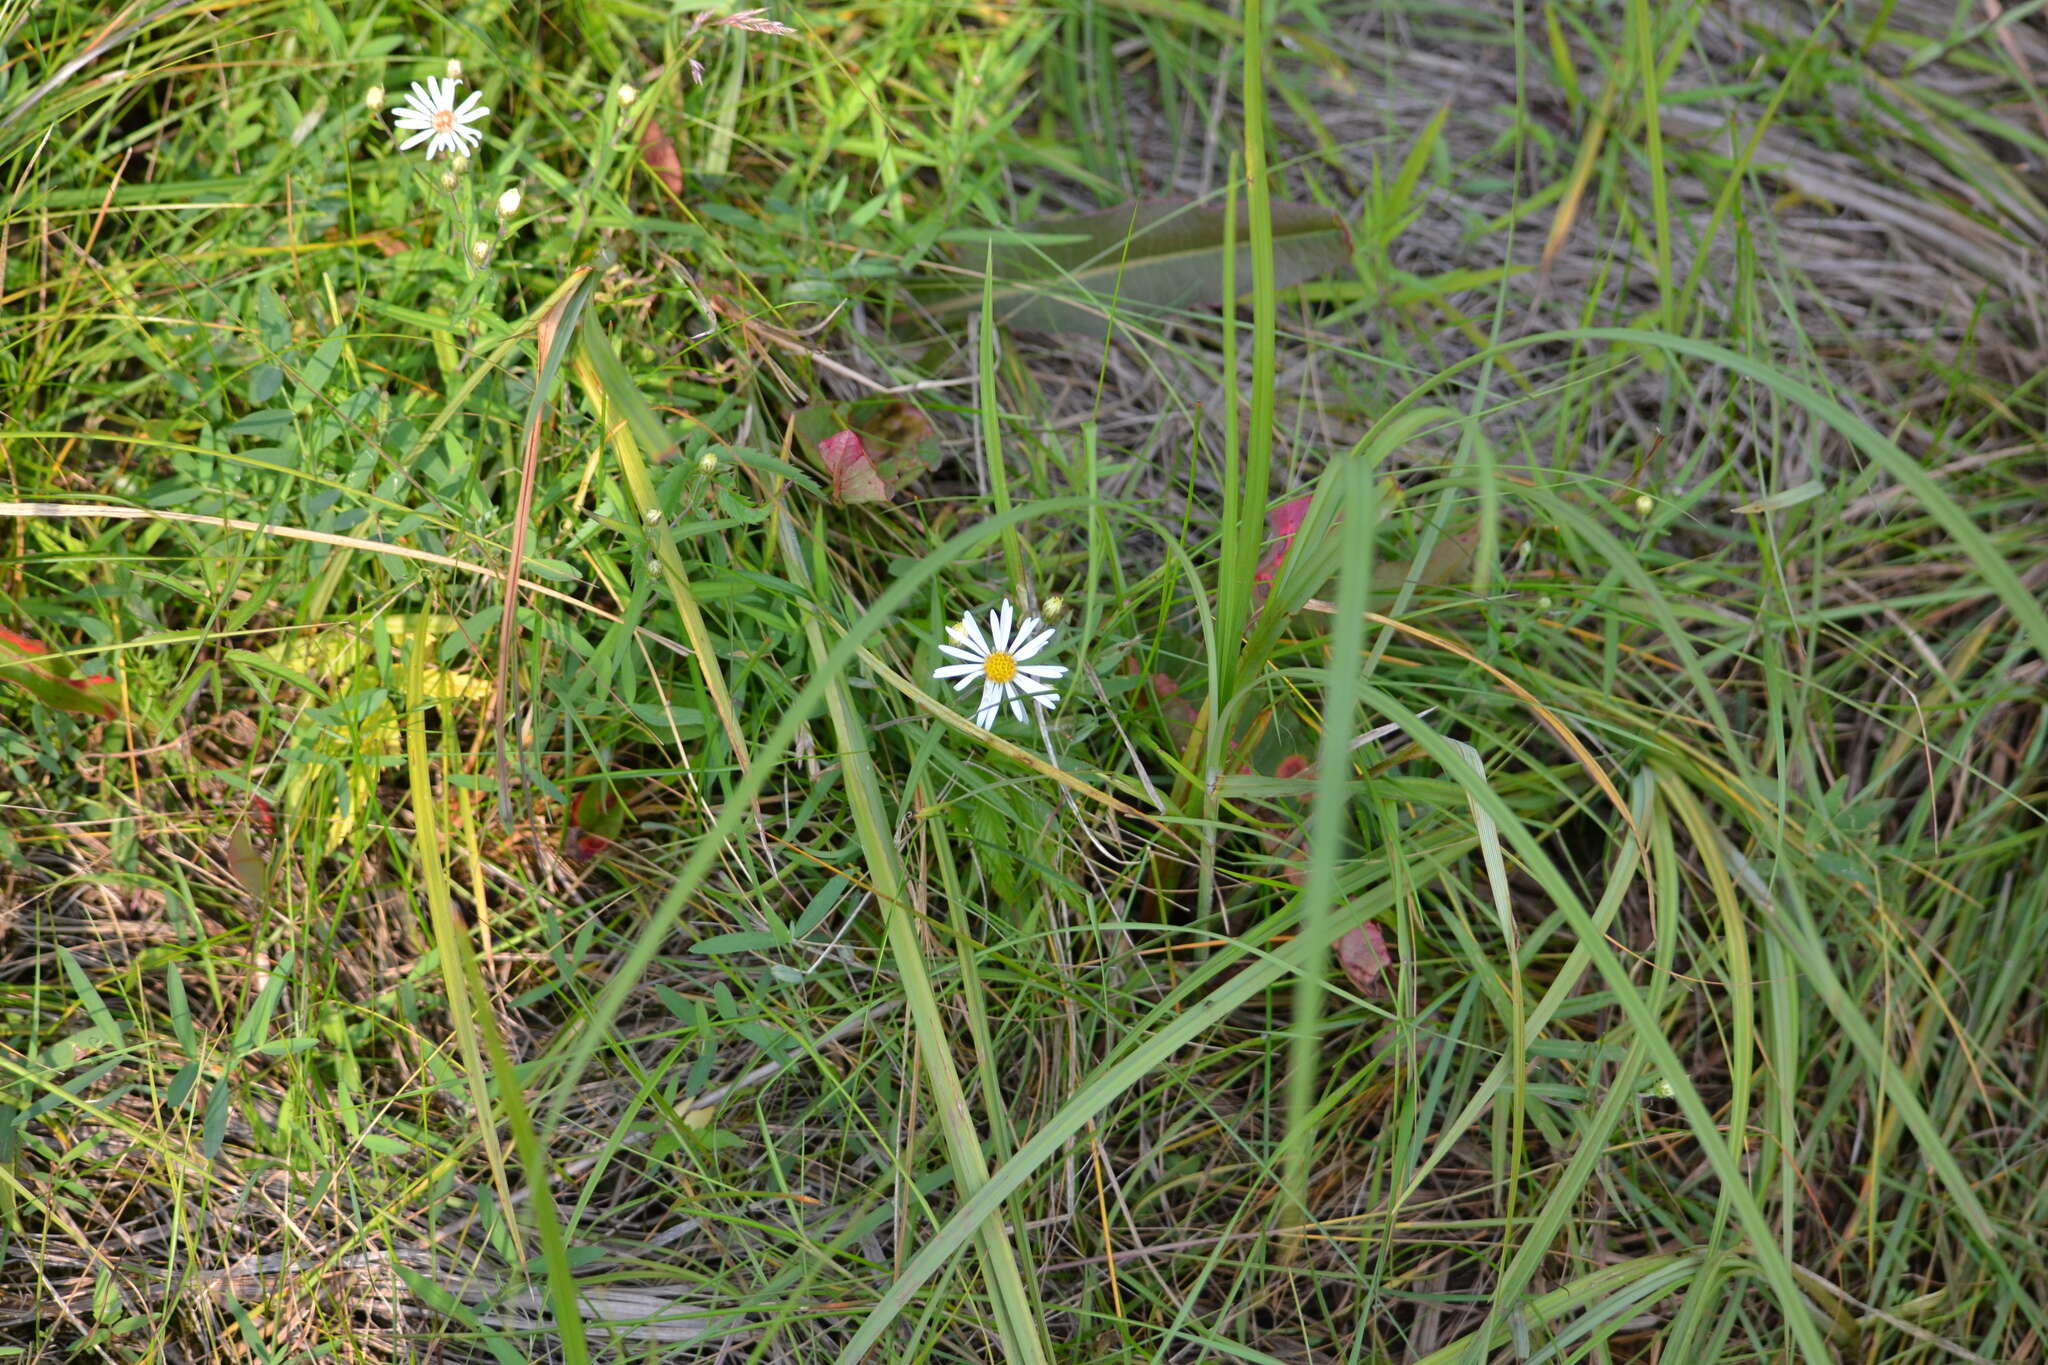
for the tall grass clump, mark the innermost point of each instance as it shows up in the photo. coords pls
(1524, 840)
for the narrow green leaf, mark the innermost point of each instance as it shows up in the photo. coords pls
(1150, 258)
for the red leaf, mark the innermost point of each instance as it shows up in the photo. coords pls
(1363, 955)
(852, 470)
(658, 150)
(55, 682)
(1285, 520)
(1294, 765)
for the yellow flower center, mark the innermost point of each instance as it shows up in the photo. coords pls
(999, 667)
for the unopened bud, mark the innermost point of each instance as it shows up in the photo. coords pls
(1055, 607)
(448, 181)
(1645, 505)
(460, 165)
(508, 202)
(707, 462)
(454, 69)
(627, 94)
(480, 251)
(373, 98)
(652, 514)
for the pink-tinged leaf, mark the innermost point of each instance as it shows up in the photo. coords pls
(851, 469)
(1179, 713)
(1285, 520)
(658, 150)
(1363, 955)
(1294, 765)
(883, 436)
(597, 817)
(54, 682)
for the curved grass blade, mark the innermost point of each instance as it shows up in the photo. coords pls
(1150, 258)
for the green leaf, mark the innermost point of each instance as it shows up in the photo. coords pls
(1784, 498)
(267, 424)
(321, 367)
(1148, 258)
(742, 941)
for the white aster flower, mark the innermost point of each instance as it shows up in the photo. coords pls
(998, 661)
(431, 116)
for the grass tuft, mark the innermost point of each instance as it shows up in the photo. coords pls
(1539, 854)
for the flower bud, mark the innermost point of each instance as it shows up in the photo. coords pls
(460, 165)
(454, 69)
(448, 181)
(1055, 607)
(508, 202)
(480, 251)
(652, 514)
(1644, 505)
(373, 99)
(627, 94)
(707, 463)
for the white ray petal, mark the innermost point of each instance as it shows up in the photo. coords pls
(971, 632)
(991, 705)
(1029, 644)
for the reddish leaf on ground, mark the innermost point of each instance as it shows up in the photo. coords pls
(658, 150)
(882, 436)
(1285, 520)
(1178, 713)
(1363, 955)
(851, 469)
(55, 681)
(596, 818)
